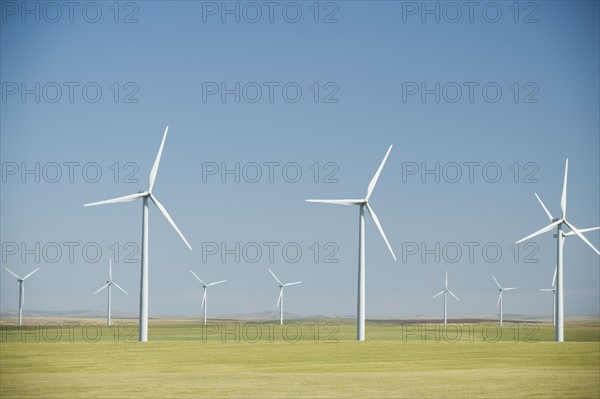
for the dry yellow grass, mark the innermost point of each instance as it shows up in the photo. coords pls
(177, 363)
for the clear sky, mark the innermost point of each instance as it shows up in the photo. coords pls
(321, 87)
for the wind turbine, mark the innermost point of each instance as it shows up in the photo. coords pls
(363, 203)
(109, 285)
(501, 290)
(205, 287)
(446, 291)
(560, 237)
(280, 300)
(553, 290)
(21, 291)
(145, 195)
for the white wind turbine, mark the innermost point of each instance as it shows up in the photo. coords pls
(144, 272)
(501, 290)
(21, 291)
(446, 291)
(553, 290)
(204, 305)
(280, 300)
(560, 236)
(363, 203)
(109, 285)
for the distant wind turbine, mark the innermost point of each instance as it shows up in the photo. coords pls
(280, 300)
(501, 290)
(553, 290)
(363, 203)
(558, 223)
(109, 285)
(204, 305)
(446, 291)
(21, 291)
(144, 272)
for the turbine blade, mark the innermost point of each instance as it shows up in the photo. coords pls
(198, 278)
(541, 231)
(544, 206)
(446, 280)
(280, 295)
(376, 177)
(497, 283)
(154, 169)
(117, 285)
(338, 202)
(570, 233)
(11, 272)
(508, 289)
(275, 277)
(169, 219)
(101, 288)
(376, 220)
(110, 269)
(439, 293)
(563, 198)
(294, 283)
(546, 289)
(31, 273)
(576, 231)
(203, 299)
(125, 198)
(499, 299)
(216, 282)
(554, 278)
(451, 293)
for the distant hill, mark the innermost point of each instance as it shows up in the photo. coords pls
(274, 315)
(89, 314)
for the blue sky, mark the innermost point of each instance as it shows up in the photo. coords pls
(363, 66)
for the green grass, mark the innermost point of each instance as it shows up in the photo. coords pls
(396, 361)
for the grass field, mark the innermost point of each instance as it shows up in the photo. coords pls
(61, 358)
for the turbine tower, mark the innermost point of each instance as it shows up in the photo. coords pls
(109, 285)
(553, 290)
(446, 291)
(501, 290)
(204, 305)
(363, 203)
(280, 300)
(559, 223)
(21, 291)
(145, 195)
